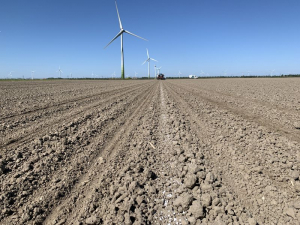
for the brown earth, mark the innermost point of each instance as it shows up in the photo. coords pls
(217, 151)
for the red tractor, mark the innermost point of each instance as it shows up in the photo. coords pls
(160, 77)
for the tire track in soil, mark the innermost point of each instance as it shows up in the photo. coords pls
(192, 190)
(118, 121)
(268, 198)
(25, 136)
(113, 152)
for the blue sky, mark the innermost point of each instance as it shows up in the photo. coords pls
(211, 37)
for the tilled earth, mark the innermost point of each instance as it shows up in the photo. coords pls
(218, 151)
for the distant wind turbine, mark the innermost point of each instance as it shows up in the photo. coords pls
(201, 73)
(113, 75)
(135, 74)
(148, 60)
(10, 74)
(179, 73)
(32, 72)
(272, 71)
(225, 73)
(158, 69)
(121, 34)
(60, 72)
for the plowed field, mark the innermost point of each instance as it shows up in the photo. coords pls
(216, 151)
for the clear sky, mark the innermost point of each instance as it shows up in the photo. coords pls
(201, 37)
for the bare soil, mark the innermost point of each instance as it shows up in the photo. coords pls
(218, 151)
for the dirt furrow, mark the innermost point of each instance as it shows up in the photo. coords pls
(280, 120)
(248, 158)
(150, 152)
(102, 168)
(67, 92)
(42, 124)
(72, 144)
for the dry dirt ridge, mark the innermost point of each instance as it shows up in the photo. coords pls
(221, 151)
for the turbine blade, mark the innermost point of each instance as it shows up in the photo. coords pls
(154, 60)
(119, 16)
(114, 38)
(145, 62)
(126, 31)
(147, 53)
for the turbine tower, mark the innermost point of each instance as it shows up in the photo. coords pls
(121, 34)
(148, 60)
(155, 74)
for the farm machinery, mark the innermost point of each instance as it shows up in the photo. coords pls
(160, 77)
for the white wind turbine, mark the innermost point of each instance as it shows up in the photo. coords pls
(32, 72)
(201, 73)
(155, 74)
(135, 73)
(10, 74)
(158, 69)
(60, 72)
(225, 73)
(272, 71)
(179, 73)
(148, 60)
(121, 34)
(113, 75)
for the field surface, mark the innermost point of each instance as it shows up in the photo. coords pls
(215, 151)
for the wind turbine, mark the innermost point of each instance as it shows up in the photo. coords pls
(32, 72)
(148, 60)
(113, 75)
(225, 73)
(158, 69)
(155, 74)
(201, 73)
(272, 71)
(10, 74)
(121, 34)
(60, 72)
(135, 73)
(179, 73)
